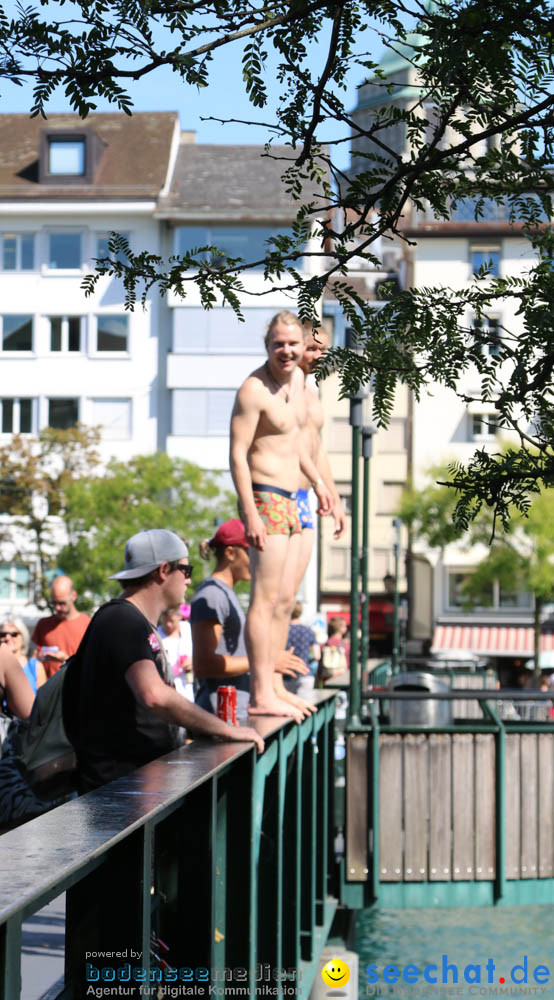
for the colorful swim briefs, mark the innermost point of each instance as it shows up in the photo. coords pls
(277, 509)
(304, 509)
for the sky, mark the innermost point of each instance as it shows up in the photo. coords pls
(224, 98)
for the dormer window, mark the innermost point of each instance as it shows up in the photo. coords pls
(69, 156)
(66, 157)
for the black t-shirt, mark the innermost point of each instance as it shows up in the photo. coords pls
(117, 733)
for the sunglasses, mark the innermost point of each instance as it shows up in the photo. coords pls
(185, 570)
(4, 635)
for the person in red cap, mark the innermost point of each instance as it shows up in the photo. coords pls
(217, 620)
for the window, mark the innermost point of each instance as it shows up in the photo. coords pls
(344, 491)
(113, 416)
(392, 439)
(495, 596)
(63, 413)
(340, 437)
(16, 415)
(17, 333)
(64, 251)
(66, 157)
(247, 242)
(487, 334)
(103, 249)
(65, 333)
(381, 562)
(15, 582)
(458, 599)
(198, 412)
(218, 331)
(485, 256)
(390, 496)
(338, 562)
(483, 425)
(18, 251)
(514, 598)
(112, 333)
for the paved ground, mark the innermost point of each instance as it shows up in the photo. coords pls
(43, 950)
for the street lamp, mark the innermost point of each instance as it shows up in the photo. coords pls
(356, 422)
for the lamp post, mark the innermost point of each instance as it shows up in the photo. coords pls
(396, 617)
(356, 422)
(367, 449)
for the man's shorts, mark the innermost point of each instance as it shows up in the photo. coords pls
(277, 509)
(304, 509)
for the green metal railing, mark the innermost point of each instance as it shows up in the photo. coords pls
(509, 796)
(224, 856)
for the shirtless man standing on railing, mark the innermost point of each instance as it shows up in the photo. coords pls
(268, 457)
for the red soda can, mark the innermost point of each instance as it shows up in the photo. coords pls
(227, 704)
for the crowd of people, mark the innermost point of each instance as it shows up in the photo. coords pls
(145, 669)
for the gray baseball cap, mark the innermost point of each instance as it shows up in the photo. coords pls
(149, 549)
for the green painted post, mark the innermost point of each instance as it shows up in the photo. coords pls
(10, 958)
(281, 790)
(396, 617)
(500, 776)
(367, 435)
(219, 873)
(356, 421)
(374, 793)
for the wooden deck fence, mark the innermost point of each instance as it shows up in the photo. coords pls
(437, 806)
(454, 814)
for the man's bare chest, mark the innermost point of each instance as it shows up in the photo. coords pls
(283, 416)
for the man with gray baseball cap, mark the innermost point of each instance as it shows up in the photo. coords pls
(127, 709)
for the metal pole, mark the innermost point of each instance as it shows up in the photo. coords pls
(367, 448)
(356, 421)
(403, 624)
(396, 618)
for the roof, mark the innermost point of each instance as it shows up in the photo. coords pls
(133, 163)
(237, 182)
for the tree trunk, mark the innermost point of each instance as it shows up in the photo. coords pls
(537, 637)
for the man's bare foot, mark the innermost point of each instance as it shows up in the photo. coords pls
(275, 706)
(305, 707)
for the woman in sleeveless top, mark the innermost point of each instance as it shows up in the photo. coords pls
(14, 636)
(15, 692)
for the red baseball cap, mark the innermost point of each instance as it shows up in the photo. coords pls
(230, 533)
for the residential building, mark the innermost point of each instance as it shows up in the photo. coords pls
(440, 426)
(65, 185)
(446, 429)
(159, 377)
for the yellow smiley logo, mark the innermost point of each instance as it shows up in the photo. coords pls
(336, 973)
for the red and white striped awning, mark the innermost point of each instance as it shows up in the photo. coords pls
(497, 640)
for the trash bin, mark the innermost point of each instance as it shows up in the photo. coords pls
(424, 712)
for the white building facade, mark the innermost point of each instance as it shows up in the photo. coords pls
(162, 377)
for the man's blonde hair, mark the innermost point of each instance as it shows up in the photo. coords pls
(289, 319)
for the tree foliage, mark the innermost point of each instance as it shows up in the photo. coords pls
(520, 558)
(479, 131)
(36, 475)
(66, 512)
(149, 491)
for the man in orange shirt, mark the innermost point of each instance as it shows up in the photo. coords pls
(64, 629)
